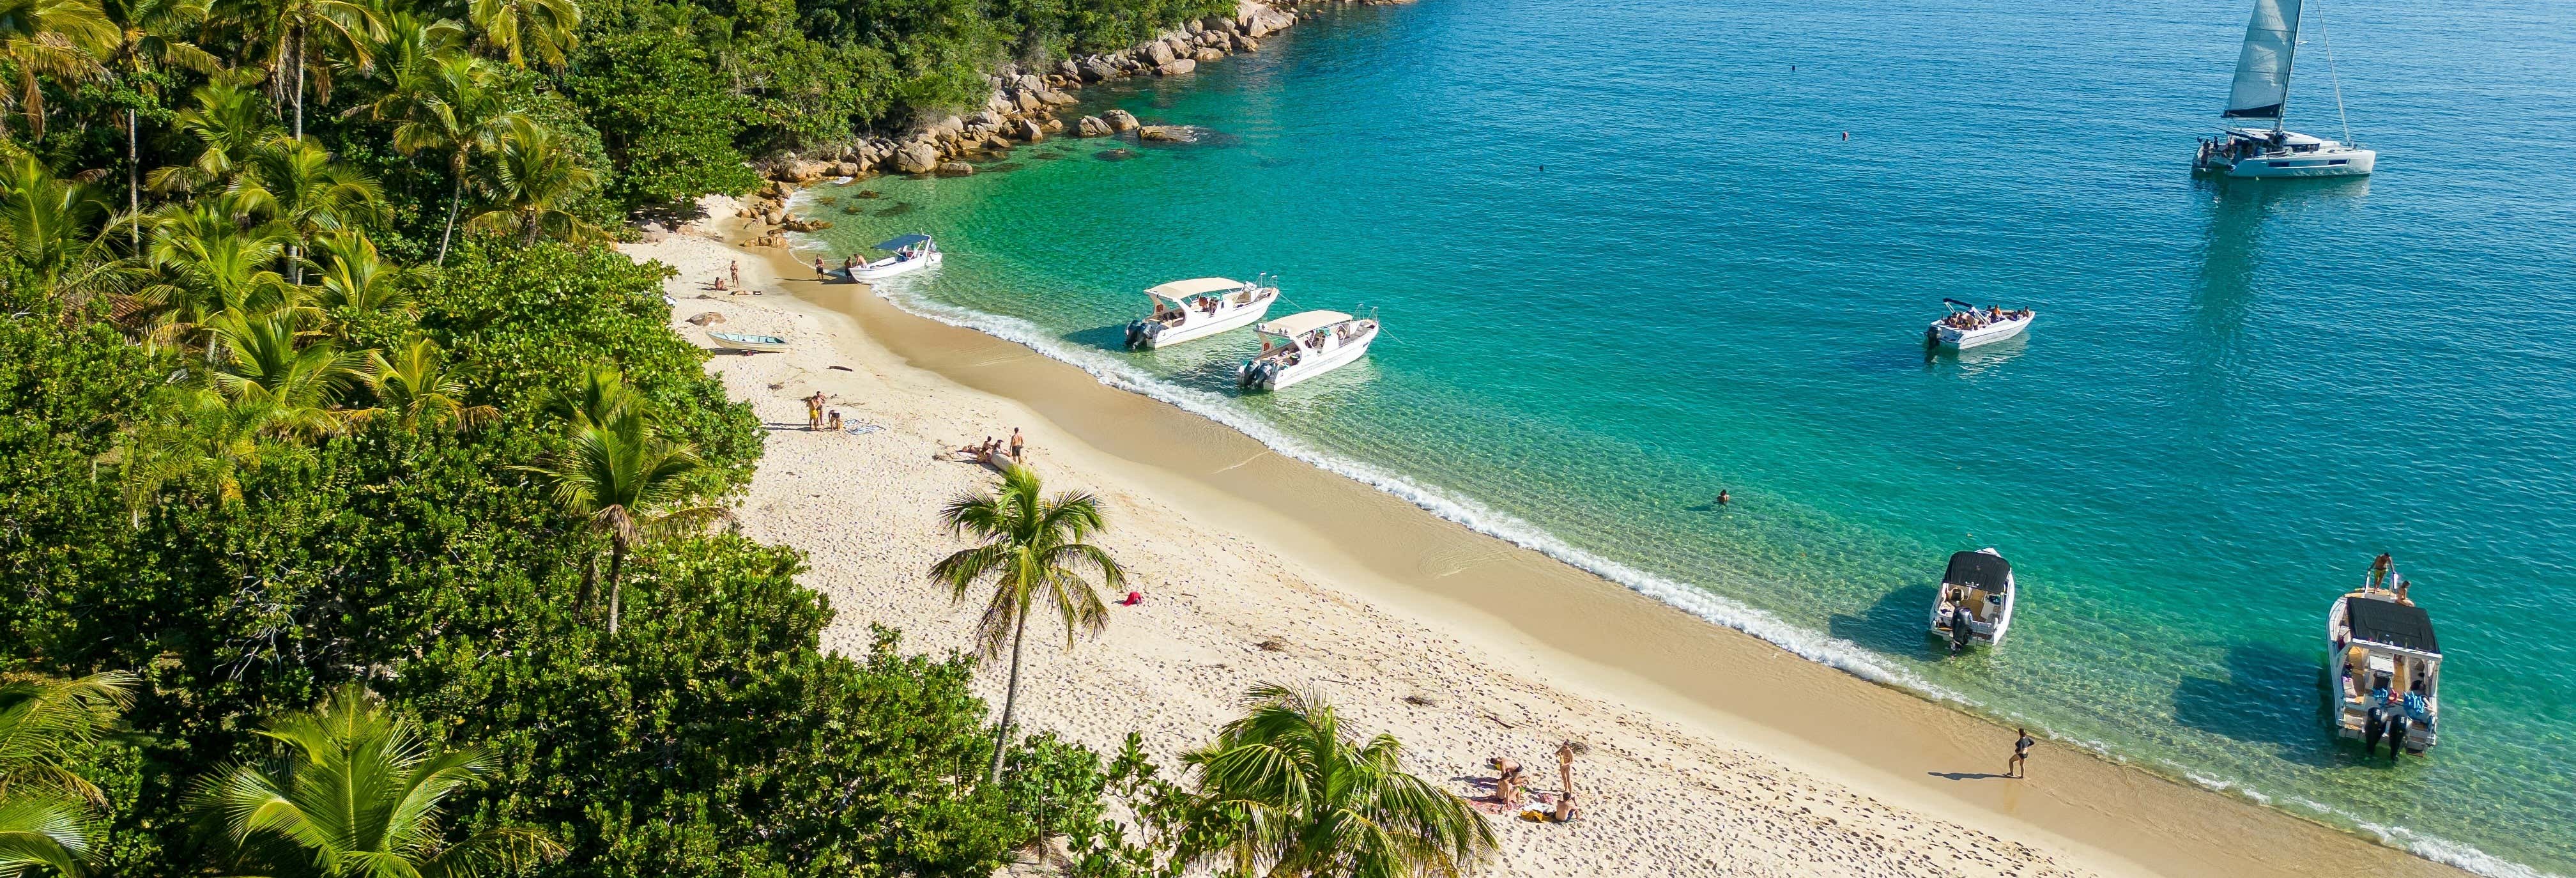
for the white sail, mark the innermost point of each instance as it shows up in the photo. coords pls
(2263, 68)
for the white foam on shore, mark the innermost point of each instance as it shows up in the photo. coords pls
(1806, 643)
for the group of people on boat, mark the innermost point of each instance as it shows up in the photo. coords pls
(1975, 318)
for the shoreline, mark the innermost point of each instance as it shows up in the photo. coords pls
(1581, 637)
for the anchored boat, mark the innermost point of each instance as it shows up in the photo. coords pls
(2385, 665)
(1185, 310)
(2261, 92)
(1976, 600)
(1967, 326)
(1304, 345)
(906, 253)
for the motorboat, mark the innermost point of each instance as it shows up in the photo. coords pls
(2262, 92)
(748, 343)
(1304, 345)
(1967, 326)
(2383, 664)
(1185, 310)
(905, 254)
(1976, 601)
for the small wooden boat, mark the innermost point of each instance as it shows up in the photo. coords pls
(748, 343)
(1976, 600)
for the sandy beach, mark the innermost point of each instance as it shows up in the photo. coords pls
(1711, 752)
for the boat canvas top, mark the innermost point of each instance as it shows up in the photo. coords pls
(1197, 286)
(1295, 324)
(899, 242)
(2390, 623)
(1979, 570)
(2285, 138)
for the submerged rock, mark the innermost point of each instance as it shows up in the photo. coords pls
(956, 169)
(868, 193)
(1114, 155)
(900, 208)
(1167, 134)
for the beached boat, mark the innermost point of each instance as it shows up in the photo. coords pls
(2262, 92)
(2383, 665)
(748, 343)
(1967, 326)
(1200, 307)
(905, 253)
(1976, 590)
(1304, 345)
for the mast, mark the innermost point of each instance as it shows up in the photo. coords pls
(2289, 62)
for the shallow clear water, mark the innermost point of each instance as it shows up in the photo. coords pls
(2234, 395)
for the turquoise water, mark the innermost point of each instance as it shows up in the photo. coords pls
(2234, 395)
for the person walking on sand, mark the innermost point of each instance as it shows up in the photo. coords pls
(1019, 445)
(818, 268)
(2021, 754)
(734, 267)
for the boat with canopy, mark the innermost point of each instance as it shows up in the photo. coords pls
(905, 253)
(1304, 345)
(2262, 92)
(1185, 310)
(1967, 326)
(2384, 665)
(1976, 600)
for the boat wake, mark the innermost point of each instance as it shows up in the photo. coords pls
(1806, 643)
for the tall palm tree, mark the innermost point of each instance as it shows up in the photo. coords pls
(297, 183)
(351, 278)
(152, 34)
(292, 32)
(534, 177)
(418, 385)
(262, 361)
(1030, 550)
(206, 259)
(61, 39)
(229, 122)
(360, 792)
(1299, 798)
(626, 483)
(45, 817)
(447, 104)
(50, 224)
(519, 28)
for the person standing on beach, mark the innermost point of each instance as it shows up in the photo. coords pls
(814, 411)
(1019, 445)
(2021, 754)
(734, 267)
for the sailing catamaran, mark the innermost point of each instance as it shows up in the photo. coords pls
(2262, 91)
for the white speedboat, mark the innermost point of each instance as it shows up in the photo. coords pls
(1967, 326)
(1200, 307)
(2384, 666)
(748, 343)
(1976, 600)
(2262, 92)
(905, 253)
(1304, 345)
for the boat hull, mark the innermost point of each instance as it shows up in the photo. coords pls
(1956, 339)
(1198, 329)
(1317, 364)
(2342, 163)
(863, 272)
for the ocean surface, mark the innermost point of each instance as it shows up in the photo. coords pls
(1626, 258)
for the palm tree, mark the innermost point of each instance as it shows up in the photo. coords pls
(198, 436)
(360, 792)
(286, 30)
(1298, 798)
(50, 224)
(297, 183)
(534, 176)
(625, 482)
(208, 260)
(229, 123)
(447, 104)
(419, 387)
(62, 39)
(151, 34)
(1031, 550)
(518, 28)
(351, 279)
(260, 363)
(45, 807)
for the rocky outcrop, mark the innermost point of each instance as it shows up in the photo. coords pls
(1091, 126)
(1028, 130)
(917, 157)
(1177, 67)
(1120, 120)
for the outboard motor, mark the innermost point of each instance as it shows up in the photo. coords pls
(1243, 374)
(1135, 334)
(2373, 725)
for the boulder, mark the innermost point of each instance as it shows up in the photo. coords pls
(1210, 38)
(956, 169)
(1028, 131)
(1031, 83)
(1094, 69)
(1177, 68)
(848, 169)
(1055, 98)
(1165, 133)
(1026, 102)
(1194, 27)
(1091, 126)
(1218, 23)
(1206, 55)
(1246, 44)
(1119, 120)
(1067, 69)
(1160, 52)
(705, 317)
(917, 157)
(985, 117)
